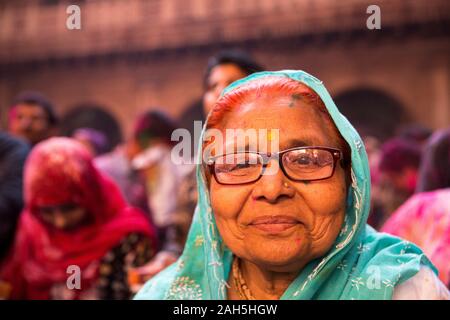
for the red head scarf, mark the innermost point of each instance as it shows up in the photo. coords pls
(60, 171)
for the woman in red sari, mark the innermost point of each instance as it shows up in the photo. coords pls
(76, 236)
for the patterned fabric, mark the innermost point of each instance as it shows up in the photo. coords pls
(425, 220)
(362, 264)
(133, 251)
(185, 208)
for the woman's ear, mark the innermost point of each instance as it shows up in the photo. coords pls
(346, 161)
(348, 177)
(208, 174)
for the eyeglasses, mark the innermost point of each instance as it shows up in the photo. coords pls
(298, 164)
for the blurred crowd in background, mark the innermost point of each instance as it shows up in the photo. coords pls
(63, 182)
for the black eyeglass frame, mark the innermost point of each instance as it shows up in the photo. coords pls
(267, 157)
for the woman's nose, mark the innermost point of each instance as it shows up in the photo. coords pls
(274, 186)
(59, 221)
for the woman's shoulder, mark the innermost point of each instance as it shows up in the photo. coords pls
(382, 242)
(405, 264)
(425, 285)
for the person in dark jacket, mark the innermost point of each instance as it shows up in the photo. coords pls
(13, 153)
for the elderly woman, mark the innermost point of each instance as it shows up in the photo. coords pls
(288, 223)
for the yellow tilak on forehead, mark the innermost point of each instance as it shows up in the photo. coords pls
(273, 134)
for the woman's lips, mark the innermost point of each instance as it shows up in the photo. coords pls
(274, 224)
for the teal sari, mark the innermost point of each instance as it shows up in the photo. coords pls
(361, 264)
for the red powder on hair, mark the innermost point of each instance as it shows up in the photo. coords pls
(263, 87)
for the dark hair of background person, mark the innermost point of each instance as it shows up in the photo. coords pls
(97, 139)
(415, 132)
(94, 116)
(195, 112)
(398, 154)
(237, 57)
(434, 172)
(153, 124)
(37, 98)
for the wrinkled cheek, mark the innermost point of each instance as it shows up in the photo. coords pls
(230, 232)
(226, 207)
(328, 216)
(326, 230)
(227, 202)
(334, 197)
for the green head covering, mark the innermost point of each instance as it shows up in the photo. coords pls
(361, 264)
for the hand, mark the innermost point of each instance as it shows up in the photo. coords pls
(5, 290)
(138, 276)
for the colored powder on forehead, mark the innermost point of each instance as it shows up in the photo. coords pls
(295, 97)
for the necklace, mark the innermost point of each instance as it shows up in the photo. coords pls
(239, 282)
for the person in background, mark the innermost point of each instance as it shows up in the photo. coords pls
(397, 177)
(148, 178)
(75, 222)
(117, 165)
(415, 132)
(95, 141)
(13, 153)
(32, 117)
(222, 69)
(373, 145)
(153, 162)
(434, 172)
(425, 218)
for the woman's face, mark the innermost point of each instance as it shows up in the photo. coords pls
(63, 217)
(221, 76)
(315, 209)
